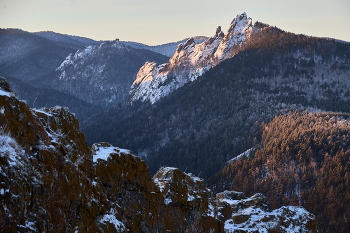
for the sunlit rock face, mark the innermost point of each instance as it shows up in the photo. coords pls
(189, 61)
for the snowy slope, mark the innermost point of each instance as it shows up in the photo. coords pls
(189, 61)
(100, 74)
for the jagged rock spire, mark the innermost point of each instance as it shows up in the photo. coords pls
(189, 61)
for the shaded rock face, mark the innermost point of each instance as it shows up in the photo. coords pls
(189, 61)
(50, 181)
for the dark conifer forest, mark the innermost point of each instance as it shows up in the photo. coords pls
(303, 159)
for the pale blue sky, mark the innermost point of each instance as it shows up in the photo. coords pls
(160, 21)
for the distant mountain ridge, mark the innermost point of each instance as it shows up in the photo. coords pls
(27, 56)
(42, 97)
(167, 49)
(38, 58)
(81, 41)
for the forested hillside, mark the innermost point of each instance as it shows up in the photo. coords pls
(207, 122)
(303, 159)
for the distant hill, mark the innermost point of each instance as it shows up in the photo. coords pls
(80, 41)
(167, 49)
(27, 56)
(99, 74)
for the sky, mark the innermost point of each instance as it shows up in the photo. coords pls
(155, 22)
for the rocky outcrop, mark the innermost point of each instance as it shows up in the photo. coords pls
(242, 214)
(188, 205)
(51, 181)
(189, 61)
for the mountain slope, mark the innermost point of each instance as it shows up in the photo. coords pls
(99, 74)
(189, 61)
(209, 121)
(27, 56)
(41, 97)
(165, 49)
(303, 159)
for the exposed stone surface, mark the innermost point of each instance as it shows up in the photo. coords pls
(187, 201)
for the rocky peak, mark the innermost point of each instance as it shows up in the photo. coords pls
(240, 29)
(177, 186)
(190, 61)
(219, 33)
(218, 30)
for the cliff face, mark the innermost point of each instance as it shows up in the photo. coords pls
(50, 181)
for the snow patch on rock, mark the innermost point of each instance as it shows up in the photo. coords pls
(103, 150)
(10, 149)
(110, 218)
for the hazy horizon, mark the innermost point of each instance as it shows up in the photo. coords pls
(155, 22)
